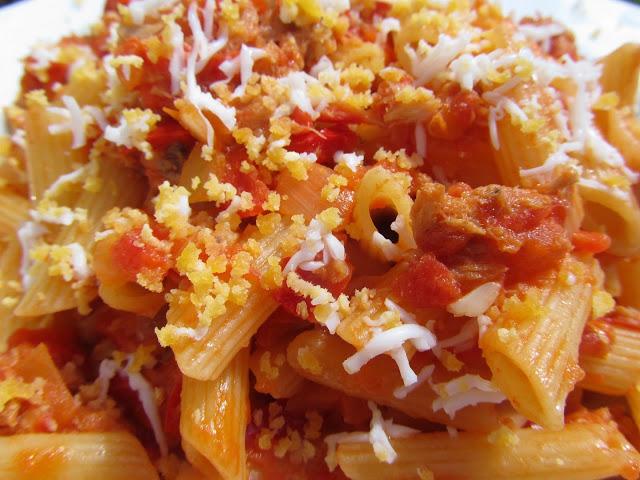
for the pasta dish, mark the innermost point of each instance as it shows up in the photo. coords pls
(320, 239)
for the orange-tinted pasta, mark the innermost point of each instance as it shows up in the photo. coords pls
(320, 239)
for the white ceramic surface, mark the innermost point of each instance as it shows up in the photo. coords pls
(27, 23)
(600, 25)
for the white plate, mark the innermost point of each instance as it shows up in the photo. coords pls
(26, 23)
(600, 25)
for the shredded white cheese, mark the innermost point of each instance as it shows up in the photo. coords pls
(205, 101)
(176, 62)
(58, 185)
(97, 114)
(352, 160)
(390, 250)
(144, 389)
(559, 157)
(318, 240)
(425, 67)
(541, 33)
(200, 54)
(75, 121)
(335, 6)
(476, 302)
(465, 391)
(57, 215)
(141, 9)
(19, 138)
(497, 99)
(484, 322)
(247, 57)
(380, 431)
(378, 436)
(469, 69)
(298, 84)
(203, 43)
(43, 56)
(29, 234)
(460, 341)
(139, 384)
(107, 370)
(132, 130)
(423, 375)
(389, 341)
(406, 317)
(79, 261)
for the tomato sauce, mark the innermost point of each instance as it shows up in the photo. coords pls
(457, 115)
(152, 81)
(520, 229)
(131, 255)
(329, 134)
(426, 282)
(61, 341)
(289, 466)
(597, 337)
(56, 73)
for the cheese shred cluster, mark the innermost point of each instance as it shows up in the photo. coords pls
(317, 238)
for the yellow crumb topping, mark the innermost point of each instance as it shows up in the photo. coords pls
(16, 388)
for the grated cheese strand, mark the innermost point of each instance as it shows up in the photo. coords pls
(438, 58)
(477, 301)
(388, 341)
(467, 390)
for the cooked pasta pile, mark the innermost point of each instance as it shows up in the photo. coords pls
(320, 239)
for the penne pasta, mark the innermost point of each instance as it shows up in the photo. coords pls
(48, 156)
(274, 375)
(10, 293)
(619, 123)
(12, 164)
(196, 166)
(86, 82)
(36, 363)
(205, 358)
(201, 469)
(49, 294)
(627, 271)
(577, 452)
(131, 298)
(383, 193)
(633, 399)
(214, 419)
(617, 371)
(304, 198)
(264, 240)
(622, 129)
(14, 210)
(319, 357)
(614, 211)
(58, 456)
(524, 143)
(193, 120)
(534, 358)
(620, 70)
